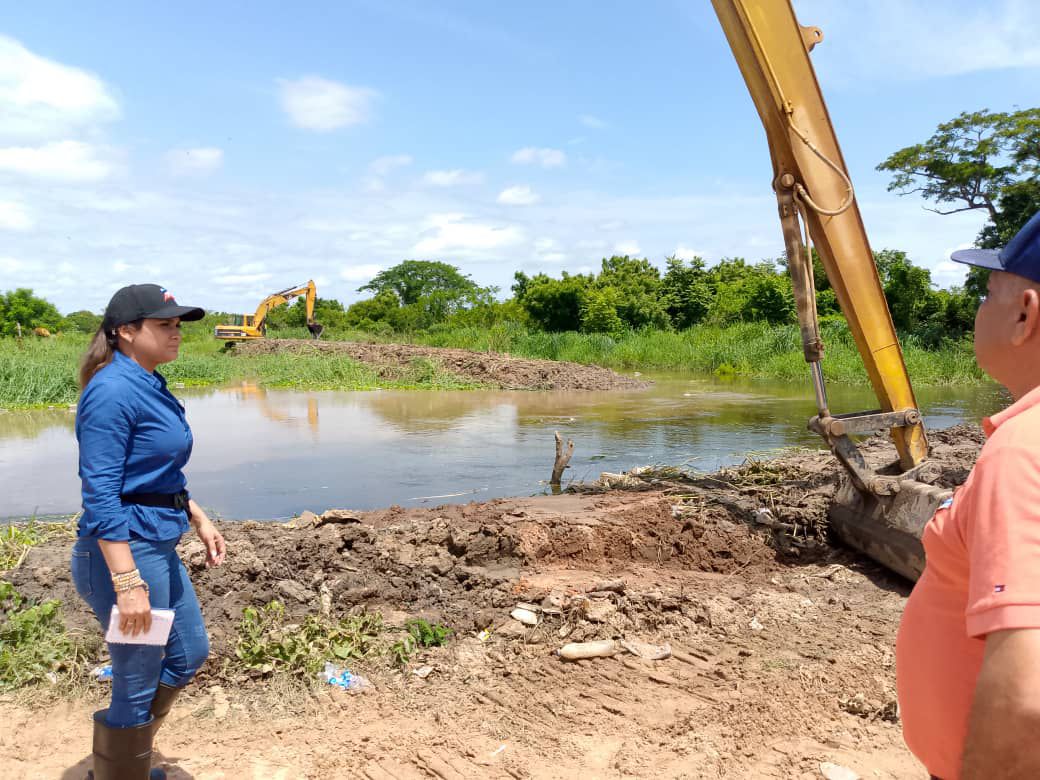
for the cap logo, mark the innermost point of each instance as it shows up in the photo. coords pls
(167, 296)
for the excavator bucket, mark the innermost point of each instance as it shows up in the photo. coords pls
(316, 329)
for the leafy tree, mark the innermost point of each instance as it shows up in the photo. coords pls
(22, 307)
(554, 305)
(380, 308)
(745, 293)
(685, 291)
(637, 290)
(599, 311)
(413, 280)
(82, 321)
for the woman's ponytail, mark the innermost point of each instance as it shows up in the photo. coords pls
(98, 355)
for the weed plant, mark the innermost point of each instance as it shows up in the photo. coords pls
(35, 646)
(17, 538)
(268, 644)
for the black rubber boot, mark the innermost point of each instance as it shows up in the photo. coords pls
(123, 754)
(165, 696)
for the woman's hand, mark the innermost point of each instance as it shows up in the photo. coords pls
(216, 549)
(135, 611)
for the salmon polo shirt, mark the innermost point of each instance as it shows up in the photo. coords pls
(982, 574)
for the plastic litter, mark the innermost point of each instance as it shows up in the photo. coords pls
(344, 678)
(102, 673)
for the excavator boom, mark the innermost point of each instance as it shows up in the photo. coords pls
(816, 201)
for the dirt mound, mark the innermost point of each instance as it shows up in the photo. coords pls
(494, 369)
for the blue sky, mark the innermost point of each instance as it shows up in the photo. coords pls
(227, 150)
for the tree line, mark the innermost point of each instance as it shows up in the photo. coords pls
(984, 160)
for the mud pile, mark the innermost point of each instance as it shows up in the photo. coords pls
(494, 369)
(468, 565)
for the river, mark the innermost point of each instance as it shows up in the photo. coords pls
(272, 454)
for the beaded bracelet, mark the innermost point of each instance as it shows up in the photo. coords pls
(126, 581)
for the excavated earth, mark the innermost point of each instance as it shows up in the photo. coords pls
(781, 645)
(493, 369)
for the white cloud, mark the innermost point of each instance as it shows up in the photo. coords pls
(686, 253)
(452, 178)
(194, 161)
(381, 166)
(451, 233)
(630, 248)
(314, 103)
(592, 121)
(120, 267)
(72, 161)
(40, 98)
(232, 280)
(518, 196)
(10, 265)
(14, 216)
(951, 39)
(547, 158)
(360, 273)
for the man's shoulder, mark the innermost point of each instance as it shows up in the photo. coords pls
(1019, 435)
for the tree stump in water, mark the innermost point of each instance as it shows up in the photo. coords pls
(563, 457)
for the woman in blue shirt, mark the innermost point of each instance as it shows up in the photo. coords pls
(134, 441)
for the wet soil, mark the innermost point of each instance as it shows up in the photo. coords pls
(493, 369)
(781, 645)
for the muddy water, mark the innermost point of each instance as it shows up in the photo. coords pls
(271, 454)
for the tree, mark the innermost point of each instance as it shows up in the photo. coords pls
(979, 160)
(554, 305)
(82, 321)
(599, 311)
(413, 280)
(380, 308)
(22, 307)
(685, 292)
(637, 289)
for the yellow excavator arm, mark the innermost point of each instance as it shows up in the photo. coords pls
(254, 326)
(817, 204)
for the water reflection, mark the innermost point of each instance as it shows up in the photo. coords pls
(265, 453)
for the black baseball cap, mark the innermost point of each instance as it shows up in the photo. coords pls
(1021, 256)
(146, 301)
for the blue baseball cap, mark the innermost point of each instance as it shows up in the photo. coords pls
(1021, 256)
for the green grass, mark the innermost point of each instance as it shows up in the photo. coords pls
(269, 644)
(749, 349)
(42, 372)
(35, 646)
(17, 538)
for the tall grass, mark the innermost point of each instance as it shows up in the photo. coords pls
(43, 372)
(749, 349)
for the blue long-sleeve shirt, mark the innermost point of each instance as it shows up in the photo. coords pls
(133, 438)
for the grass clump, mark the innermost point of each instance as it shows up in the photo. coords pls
(269, 643)
(17, 539)
(35, 646)
(419, 633)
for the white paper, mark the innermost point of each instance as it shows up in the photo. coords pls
(162, 622)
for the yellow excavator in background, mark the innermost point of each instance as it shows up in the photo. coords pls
(254, 326)
(882, 514)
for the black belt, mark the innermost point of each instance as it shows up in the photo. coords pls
(161, 500)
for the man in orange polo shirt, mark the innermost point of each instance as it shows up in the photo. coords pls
(968, 653)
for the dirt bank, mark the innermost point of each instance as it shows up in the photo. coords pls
(491, 368)
(781, 646)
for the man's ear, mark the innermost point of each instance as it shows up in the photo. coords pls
(1028, 324)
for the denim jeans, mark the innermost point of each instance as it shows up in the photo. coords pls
(137, 670)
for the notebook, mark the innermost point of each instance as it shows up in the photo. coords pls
(162, 622)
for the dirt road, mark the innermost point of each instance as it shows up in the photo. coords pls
(781, 647)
